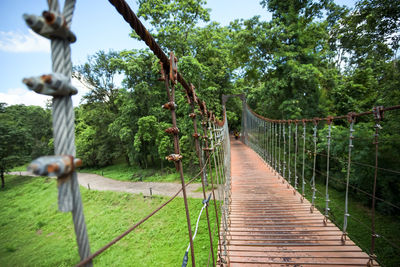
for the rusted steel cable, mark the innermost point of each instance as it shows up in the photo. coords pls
(354, 114)
(123, 8)
(129, 16)
(115, 240)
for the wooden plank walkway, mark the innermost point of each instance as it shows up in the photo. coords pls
(270, 226)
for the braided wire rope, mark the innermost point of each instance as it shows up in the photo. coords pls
(59, 86)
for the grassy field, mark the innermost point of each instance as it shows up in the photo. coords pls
(124, 172)
(359, 224)
(21, 168)
(34, 233)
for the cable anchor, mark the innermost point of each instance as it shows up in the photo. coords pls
(172, 130)
(50, 25)
(169, 105)
(174, 157)
(173, 68)
(55, 84)
(60, 166)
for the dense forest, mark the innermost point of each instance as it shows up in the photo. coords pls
(313, 58)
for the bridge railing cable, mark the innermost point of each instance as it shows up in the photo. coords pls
(285, 153)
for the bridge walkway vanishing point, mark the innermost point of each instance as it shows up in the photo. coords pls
(270, 226)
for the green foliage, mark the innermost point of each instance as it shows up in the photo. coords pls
(25, 133)
(150, 140)
(173, 21)
(33, 232)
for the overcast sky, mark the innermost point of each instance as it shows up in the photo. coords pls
(97, 26)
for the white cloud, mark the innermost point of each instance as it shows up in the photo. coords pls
(82, 90)
(17, 42)
(23, 96)
(27, 97)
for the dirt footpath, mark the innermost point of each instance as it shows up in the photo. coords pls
(97, 182)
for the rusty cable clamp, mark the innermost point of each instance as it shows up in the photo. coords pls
(172, 130)
(162, 71)
(50, 25)
(192, 115)
(55, 84)
(196, 135)
(378, 115)
(169, 105)
(174, 157)
(173, 70)
(60, 166)
(207, 201)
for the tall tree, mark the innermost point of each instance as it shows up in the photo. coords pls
(15, 142)
(95, 144)
(173, 21)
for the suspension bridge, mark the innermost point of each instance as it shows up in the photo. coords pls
(263, 217)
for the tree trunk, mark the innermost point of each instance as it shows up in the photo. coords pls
(2, 179)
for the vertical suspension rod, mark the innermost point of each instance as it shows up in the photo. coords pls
(315, 121)
(205, 137)
(351, 119)
(303, 183)
(289, 137)
(178, 162)
(295, 157)
(378, 115)
(198, 152)
(328, 137)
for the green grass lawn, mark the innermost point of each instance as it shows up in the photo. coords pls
(21, 168)
(359, 224)
(124, 172)
(34, 233)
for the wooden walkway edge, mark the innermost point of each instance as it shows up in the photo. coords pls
(269, 226)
